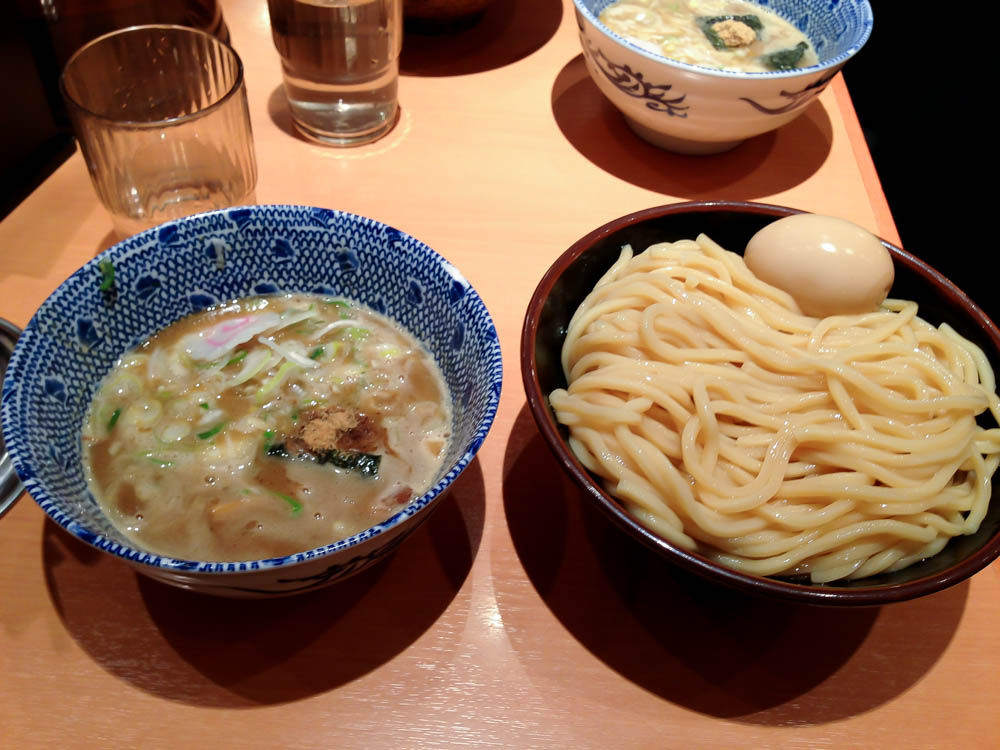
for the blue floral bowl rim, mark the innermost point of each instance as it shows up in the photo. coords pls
(493, 366)
(833, 62)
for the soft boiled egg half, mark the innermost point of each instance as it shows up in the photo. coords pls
(829, 266)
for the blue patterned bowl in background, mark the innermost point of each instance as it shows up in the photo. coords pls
(697, 110)
(183, 266)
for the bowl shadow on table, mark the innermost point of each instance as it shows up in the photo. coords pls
(109, 239)
(210, 651)
(696, 644)
(792, 154)
(505, 32)
(50, 238)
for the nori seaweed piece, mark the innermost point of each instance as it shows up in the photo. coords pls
(366, 464)
(705, 23)
(786, 59)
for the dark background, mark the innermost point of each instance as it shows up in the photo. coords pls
(925, 121)
(33, 141)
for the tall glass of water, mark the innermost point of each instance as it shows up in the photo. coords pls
(340, 60)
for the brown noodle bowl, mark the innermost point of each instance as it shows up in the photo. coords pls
(772, 442)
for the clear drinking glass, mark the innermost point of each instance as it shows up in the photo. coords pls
(161, 115)
(340, 60)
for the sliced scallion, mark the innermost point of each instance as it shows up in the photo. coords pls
(344, 307)
(295, 505)
(107, 269)
(274, 381)
(208, 434)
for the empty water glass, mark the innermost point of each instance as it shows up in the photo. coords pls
(161, 116)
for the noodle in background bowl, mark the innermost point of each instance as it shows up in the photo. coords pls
(693, 109)
(574, 274)
(183, 266)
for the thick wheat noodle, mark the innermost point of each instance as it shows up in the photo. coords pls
(770, 441)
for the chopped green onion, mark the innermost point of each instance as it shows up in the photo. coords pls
(236, 357)
(344, 307)
(295, 504)
(255, 364)
(212, 432)
(204, 406)
(268, 437)
(317, 352)
(114, 418)
(107, 269)
(354, 333)
(274, 381)
(158, 461)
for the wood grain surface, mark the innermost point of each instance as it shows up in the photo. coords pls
(515, 617)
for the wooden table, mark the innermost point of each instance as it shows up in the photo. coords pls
(514, 617)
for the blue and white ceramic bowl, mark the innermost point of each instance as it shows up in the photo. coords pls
(697, 110)
(180, 267)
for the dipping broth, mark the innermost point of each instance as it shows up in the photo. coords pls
(724, 34)
(264, 427)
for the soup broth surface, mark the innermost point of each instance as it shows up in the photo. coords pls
(724, 34)
(264, 427)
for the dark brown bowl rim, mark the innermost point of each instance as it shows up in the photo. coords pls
(692, 561)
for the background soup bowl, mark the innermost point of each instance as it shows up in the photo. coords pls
(167, 272)
(697, 110)
(574, 274)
